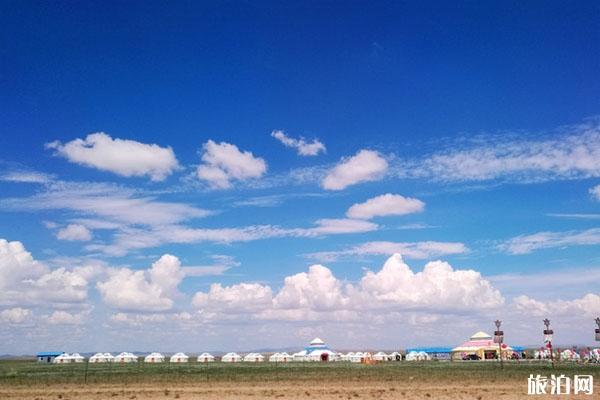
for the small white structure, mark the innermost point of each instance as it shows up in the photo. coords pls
(381, 356)
(281, 357)
(359, 356)
(254, 357)
(231, 357)
(125, 357)
(64, 358)
(179, 358)
(77, 358)
(206, 357)
(101, 358)
(417, 356)
(595, 355)
(154, 358)
(395, 356)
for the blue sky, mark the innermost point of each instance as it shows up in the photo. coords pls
(249, 142)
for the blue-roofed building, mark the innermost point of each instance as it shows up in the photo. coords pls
(436, 353)
(48, 356)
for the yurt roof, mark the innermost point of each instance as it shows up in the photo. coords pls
(480, 336)
(316, 341)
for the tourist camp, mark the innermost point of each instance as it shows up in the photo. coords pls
(433, 353)
(154, 358)
(480, 346)
(206, 357)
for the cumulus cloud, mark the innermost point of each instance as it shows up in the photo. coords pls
(303, 147)
(386, 204)
(364, 166)
(544, 240)
(595, 192)
(318, 294)
(24, 280)
(151, 290)
(413, 250)
(120, 156)
(74, 232)
(587, 306)
(224, 162)
(16, 315)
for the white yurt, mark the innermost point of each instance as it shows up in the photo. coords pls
(359, 356)
(231, 357)
(281, 357)
(179, 358)
(254, 357)
(381, 356)
(154, 358)
(206, 357)
(125, 357)
(77, 358)
(542, 354)
(412, 356)
(395, 356)
(595, 355)
(347, 356)
(101, 358)
(64, 358)
(317, 350)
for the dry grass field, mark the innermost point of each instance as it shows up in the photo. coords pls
(393, 380)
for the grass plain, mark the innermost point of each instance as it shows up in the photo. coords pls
(25, 379)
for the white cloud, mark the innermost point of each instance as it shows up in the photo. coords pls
(319, 295)
(303, 147)
(386, 204)
(595, 192)
(114, 204)
(24, 280)
(74, 232)
(544, 240)
(26, 177)
(151, 290)
(128, 239)
(122, 157)
(364, 166)
(224, 162)
(15, 315)
(572, 152)
(65, 318)
(222, 264)
(414, 250)
(587, 306)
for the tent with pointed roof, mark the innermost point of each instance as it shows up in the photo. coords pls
(125, 357)
(381, 356)
(64, 358)
(482, 346)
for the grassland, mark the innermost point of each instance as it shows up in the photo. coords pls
(28, 379)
